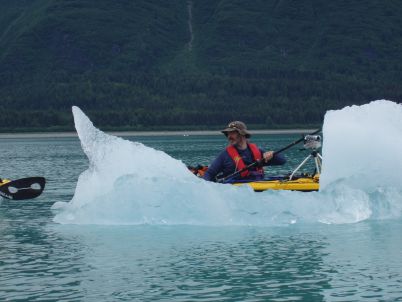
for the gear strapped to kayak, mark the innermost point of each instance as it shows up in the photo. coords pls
(24, 188)
(301, 182)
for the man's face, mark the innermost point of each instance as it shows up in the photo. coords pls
(234, 138)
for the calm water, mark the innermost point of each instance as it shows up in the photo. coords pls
(44, 261)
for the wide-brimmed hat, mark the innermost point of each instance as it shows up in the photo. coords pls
(238, 126)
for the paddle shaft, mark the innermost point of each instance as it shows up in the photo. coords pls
(257, 162)
(295, 142)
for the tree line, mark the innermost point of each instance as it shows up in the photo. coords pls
(162, 99)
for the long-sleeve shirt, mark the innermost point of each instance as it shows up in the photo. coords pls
(225, 165)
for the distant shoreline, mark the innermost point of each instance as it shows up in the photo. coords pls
(146, 133)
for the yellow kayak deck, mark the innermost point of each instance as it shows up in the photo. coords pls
(3, 181)
(305, 184)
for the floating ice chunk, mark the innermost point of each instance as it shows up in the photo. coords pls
(363, 146)
(129, 183)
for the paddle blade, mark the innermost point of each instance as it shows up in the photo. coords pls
(24, 188)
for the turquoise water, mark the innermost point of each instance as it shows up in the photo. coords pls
(41, 260)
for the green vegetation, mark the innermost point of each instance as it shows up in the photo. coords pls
(128, 64)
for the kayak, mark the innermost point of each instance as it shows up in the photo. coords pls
(305, 184)
(293, 182)
(23, 188)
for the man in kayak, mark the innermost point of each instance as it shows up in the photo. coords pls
(239, 154)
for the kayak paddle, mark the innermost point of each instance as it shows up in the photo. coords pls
(259, 162)
(24, 188)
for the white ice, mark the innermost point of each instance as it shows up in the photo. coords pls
(129, 183)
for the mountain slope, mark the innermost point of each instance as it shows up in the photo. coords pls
(129, 63)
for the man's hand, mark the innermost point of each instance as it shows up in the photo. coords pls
(268, 156)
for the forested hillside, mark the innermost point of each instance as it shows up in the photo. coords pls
(155, 64)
